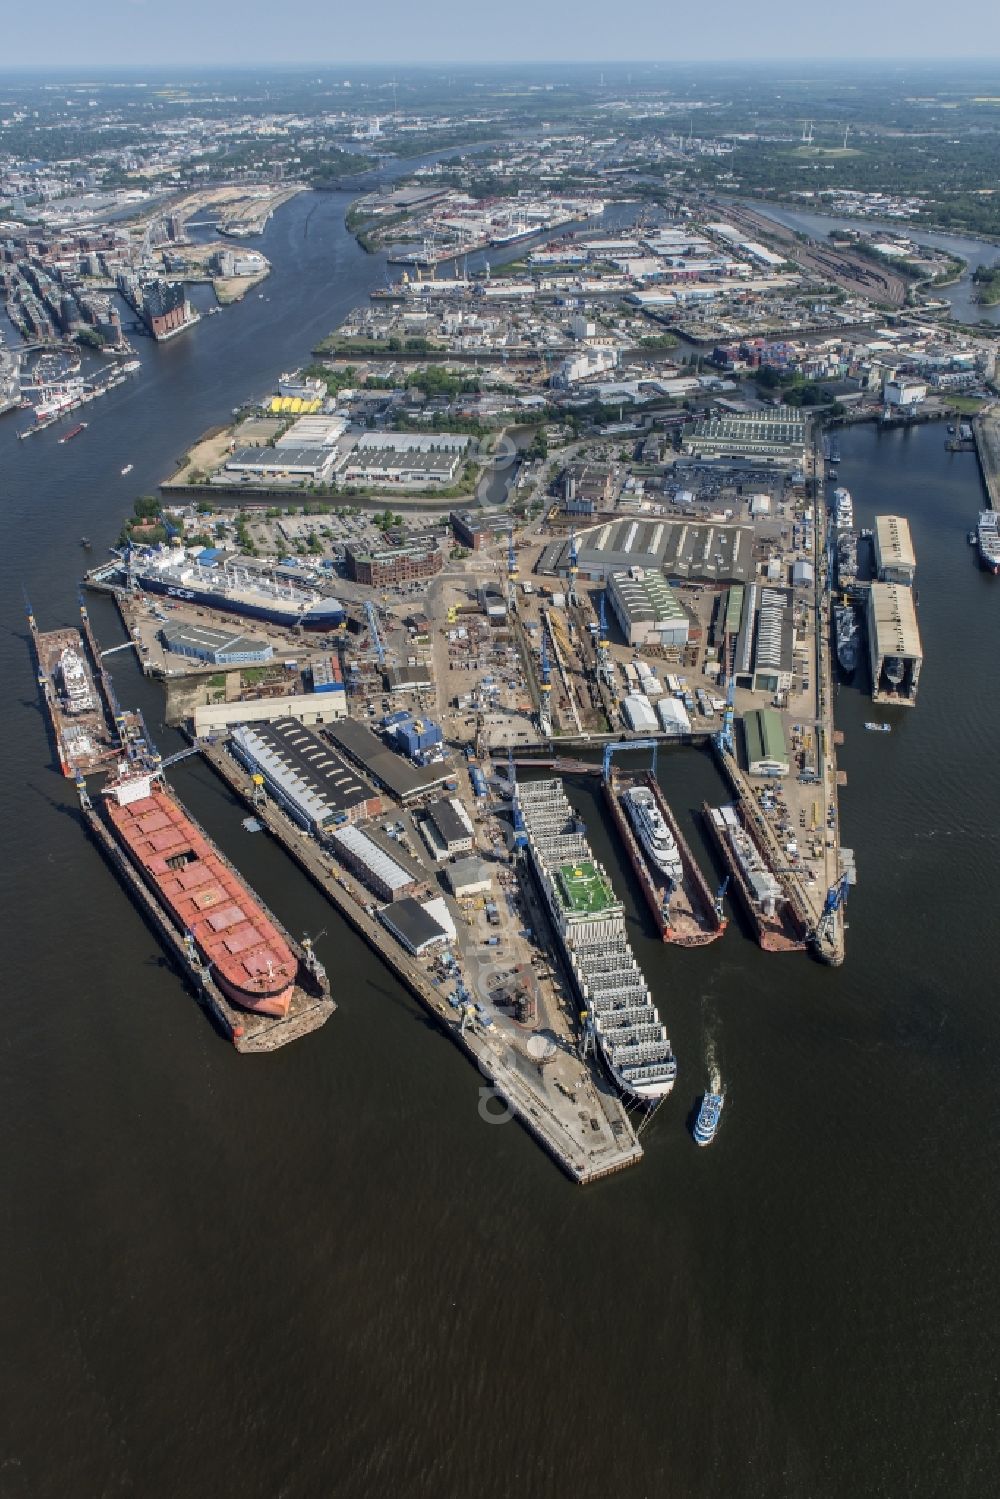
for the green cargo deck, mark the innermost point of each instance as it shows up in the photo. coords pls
(585, 890)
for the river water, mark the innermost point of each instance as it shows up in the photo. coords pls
(975, 252)
(322, 1273)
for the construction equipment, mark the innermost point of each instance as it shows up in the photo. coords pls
(545, 688)
(574, 567)
(836, 898)
(374, 632)
(724, 740)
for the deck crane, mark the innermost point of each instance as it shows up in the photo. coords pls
(836, 898)
(724, 741)
(374, 632)
(574, 568)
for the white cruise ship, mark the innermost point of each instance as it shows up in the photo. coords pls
(589, 922)
(657, 840)
(77, 694)
(843, 509)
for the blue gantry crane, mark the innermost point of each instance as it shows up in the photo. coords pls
(626, 744)
(836, 898)
(724, 740)
(373, 631)
(574, 568)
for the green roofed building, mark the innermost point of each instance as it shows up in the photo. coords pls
(764, 734)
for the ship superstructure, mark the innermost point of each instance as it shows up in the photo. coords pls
(589, 923)
(843, 509)
(653, 833)
(230, 587)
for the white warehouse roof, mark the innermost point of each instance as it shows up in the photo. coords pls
(639, 713)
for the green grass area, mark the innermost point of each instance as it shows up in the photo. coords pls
(965, 405)
(586, 891)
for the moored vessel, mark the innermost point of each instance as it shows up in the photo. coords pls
(588, 919)
(229, 587)
(848, 637)
(843, 509)
(262, 988)
(778, 926)
(74, 431)
(676, 891)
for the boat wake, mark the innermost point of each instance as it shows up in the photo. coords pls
(711, 1059)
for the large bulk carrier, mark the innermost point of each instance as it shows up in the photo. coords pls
(262, 988)
(589, 923)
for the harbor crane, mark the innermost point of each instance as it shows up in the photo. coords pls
(574, 568)
(374, 632)
(545, 687)
(724, 740)
(836, 899)
(626, 744)
(511, 570)
(520, 832)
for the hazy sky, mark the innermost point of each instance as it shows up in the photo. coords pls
(62, 33)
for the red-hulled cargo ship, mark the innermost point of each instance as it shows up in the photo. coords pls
(261, 987)
(250, 960)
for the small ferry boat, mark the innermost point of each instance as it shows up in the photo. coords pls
(879, 728)
(709, 1115)
(126, 470)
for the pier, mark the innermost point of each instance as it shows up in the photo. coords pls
(588, 1134)
(986, 434)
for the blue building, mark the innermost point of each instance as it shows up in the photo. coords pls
(216, 647)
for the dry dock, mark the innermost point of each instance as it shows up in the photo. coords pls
(584, 1128)
(686, 916)
(310, 1008)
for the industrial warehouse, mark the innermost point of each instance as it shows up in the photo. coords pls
(305, 774)
(401, 779)
(688, 550)
(215, 647)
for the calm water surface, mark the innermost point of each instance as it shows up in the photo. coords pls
(320, 1273)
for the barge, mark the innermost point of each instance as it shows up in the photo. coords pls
(261, 987)
(761, 893)
(685, 911)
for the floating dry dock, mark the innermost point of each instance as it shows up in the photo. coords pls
(687, 915)
(195, 873)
